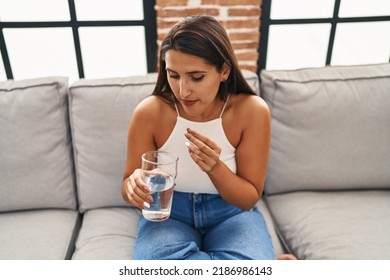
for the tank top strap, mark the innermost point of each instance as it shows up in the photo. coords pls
(224, 106)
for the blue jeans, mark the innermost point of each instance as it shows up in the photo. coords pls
(204, 227)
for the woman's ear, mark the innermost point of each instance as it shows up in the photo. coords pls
(225, 72)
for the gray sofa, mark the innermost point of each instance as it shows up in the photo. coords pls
(62, 155)
(328, 182)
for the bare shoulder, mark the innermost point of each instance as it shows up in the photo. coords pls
(152, 108)
(154, 118)
(149, 105)
(249, 107)
(245, 116)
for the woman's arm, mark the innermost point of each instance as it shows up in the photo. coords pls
(140, 139)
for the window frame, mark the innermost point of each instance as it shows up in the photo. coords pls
(149, 23)
(266, 22)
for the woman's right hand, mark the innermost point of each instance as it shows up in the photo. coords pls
(136, 190)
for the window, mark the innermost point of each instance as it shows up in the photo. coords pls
(314, 33)
(77, 38)
(3, 75)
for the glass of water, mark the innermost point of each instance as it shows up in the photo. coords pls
(159, 170)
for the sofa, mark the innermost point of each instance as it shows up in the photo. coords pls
(328, 181)
(63, 147)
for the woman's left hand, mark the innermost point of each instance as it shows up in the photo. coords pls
(202, 150)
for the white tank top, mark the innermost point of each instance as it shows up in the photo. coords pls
(190, 178)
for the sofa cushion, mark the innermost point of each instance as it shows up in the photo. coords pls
(271, 227)
(107, 233)
(100, 112)
(36, 168)
(38, 234)
(334, 225)
(253, 80)
(110, 233)
(330, 128)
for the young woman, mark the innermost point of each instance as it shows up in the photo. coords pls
(202, 110)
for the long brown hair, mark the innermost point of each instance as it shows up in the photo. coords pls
(204, 37)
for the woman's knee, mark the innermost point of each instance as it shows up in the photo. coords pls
(171, 251)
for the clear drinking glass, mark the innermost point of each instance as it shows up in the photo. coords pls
(159, 170)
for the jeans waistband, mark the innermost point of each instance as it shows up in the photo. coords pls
(201, 210)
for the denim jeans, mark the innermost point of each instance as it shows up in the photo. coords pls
(204, 227)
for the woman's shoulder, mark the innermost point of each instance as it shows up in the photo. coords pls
(250, 111)
(246, 105)
(155, 116)
(244, 115)
(152, 106)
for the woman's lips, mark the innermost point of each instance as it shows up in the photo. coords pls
(189, 102)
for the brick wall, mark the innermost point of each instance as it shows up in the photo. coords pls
(241, 18)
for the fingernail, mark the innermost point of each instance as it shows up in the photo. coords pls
(146, 205)
(188, 129)
(187, 144)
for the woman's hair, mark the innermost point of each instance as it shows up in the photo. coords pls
(204, 37)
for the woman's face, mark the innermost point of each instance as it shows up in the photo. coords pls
(194, 83)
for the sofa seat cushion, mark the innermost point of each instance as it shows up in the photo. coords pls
(38, 234)
(276, 242)
(107, 233)
(36, 164)
(334, 225)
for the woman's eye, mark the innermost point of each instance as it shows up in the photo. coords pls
(196, 79)
(174, 77)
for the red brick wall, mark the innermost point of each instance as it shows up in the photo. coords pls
(241, 18)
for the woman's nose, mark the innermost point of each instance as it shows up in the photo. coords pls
(184, 89)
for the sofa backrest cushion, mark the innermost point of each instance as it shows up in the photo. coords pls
(100, 113)
(36, 165)
(253, 80)
(330, 128)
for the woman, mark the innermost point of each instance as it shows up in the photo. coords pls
(203, 110)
